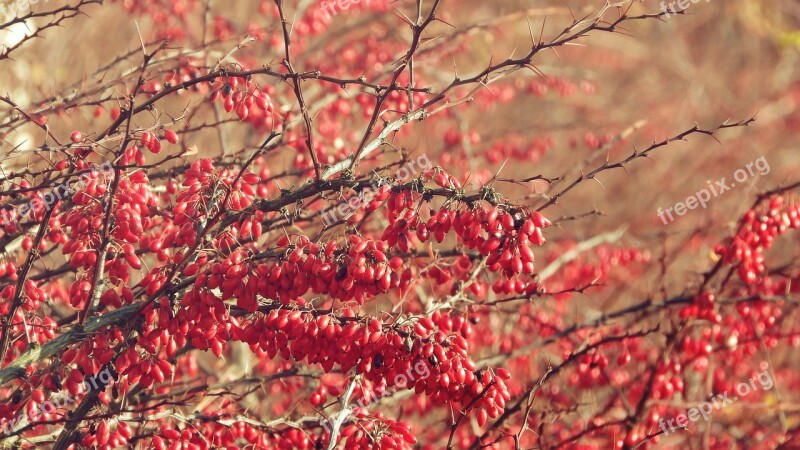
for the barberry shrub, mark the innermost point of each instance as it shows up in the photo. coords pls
(292, 225)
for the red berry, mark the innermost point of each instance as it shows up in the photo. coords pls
(171, 136)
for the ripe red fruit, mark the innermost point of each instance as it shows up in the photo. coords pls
(171, 136)
(125, 430)
(154, 145)
(37, 396)
(388, 442)
(242, 111)
(264, 102)
(170, 433)
(482, 417)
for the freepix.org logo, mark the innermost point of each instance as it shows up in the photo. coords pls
(669, 10)
(50, 406)
(703, 196)
(352, 204)
(402, 380)
(14, 213)
(329, 7)
(717, 402)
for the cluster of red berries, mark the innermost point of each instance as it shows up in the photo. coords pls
(8, 269)
(757, 230)
(169, 16)
(384, 353)
(504, 236)
(240, 95)
(89, 357)
(205, 190)
(357, 271)
(212, 435)
(105, 437)
(564, 86)
(142, 371)
(702, 308)
(376, 432)
(202, 320)
(582, 272)
(530, 151)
